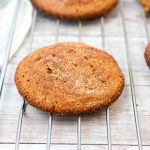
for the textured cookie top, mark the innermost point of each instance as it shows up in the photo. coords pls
(69, 78)
(146, 4)
(75, 9)
(76, 2)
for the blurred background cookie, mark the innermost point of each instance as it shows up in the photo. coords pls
(147, 55)
(74, 9)
(146, 4)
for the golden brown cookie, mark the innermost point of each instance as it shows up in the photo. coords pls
(69, 79)
(146, 4)
(147, 55)
(74, 9)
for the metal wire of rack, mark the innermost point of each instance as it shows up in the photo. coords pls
(131, 80)
(23, 108)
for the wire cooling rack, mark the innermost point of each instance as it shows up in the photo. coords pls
(125, 125)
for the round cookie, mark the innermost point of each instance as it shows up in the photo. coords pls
(69, 79)
(147, 55)
(146, 4)
(74, 9)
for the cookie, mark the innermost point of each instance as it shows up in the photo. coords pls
(146, 4)
(147, 55)
(75, 9)
(69, 79)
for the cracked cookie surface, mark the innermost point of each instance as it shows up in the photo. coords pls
(69, 79)
(75, 9)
